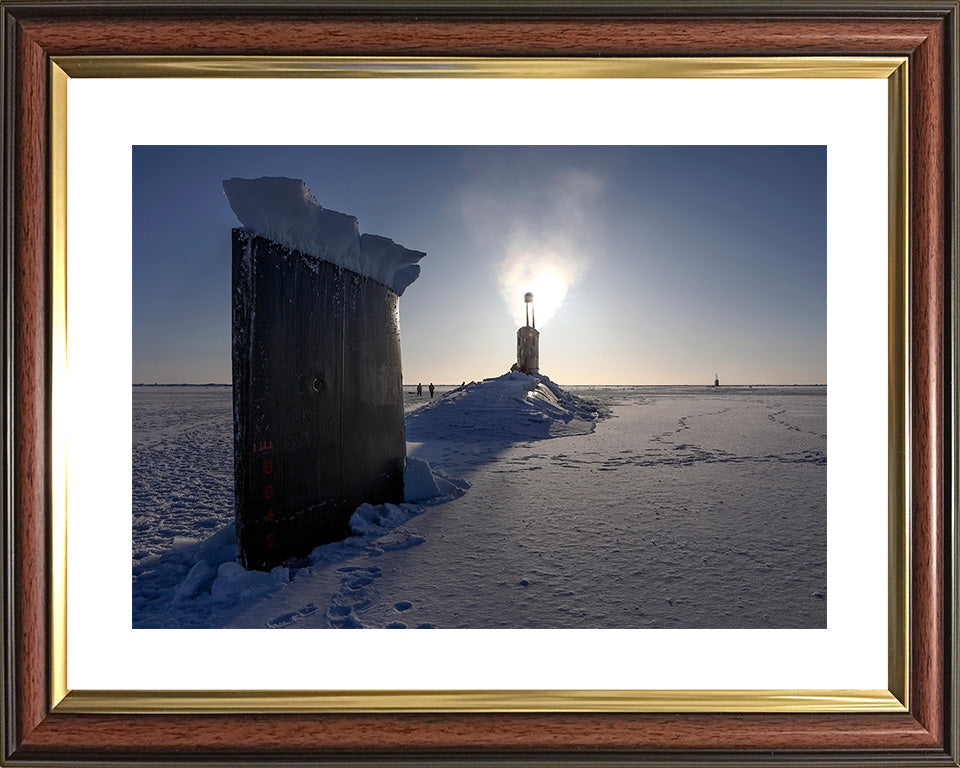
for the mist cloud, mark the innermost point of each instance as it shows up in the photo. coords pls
(540, 234)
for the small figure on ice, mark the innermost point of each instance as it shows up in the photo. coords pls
(431, 389)
(419, 390)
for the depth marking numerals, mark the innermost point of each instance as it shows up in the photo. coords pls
(263, 451)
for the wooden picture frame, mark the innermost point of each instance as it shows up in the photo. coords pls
(39, 729)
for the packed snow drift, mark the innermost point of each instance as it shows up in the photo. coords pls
(285, 211)
(527, 505)
(512, 407)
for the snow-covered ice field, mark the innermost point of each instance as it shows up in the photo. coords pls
(605, 507)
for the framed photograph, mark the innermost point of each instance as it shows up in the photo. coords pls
(772, 187)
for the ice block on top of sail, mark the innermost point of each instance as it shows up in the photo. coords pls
(317, 381)
(286, 212)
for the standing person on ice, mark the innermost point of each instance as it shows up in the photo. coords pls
(431, 389)
(419, 390)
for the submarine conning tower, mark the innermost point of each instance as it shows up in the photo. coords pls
(318, 421)
(528, 341)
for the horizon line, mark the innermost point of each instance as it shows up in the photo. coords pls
(594, 384)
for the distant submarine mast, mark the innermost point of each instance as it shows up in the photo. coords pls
(528, 341)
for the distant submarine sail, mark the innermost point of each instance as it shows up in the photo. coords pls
(528, 342)
(716, 379)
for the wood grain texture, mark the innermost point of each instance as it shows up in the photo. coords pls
(466, 37)
(29, 371)
(320, 734)
(919, 734)
(927, 361)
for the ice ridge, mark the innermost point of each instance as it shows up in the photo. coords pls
(509, 408)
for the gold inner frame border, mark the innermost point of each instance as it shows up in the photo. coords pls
(895, 699)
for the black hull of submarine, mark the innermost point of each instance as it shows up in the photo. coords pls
(317, 399)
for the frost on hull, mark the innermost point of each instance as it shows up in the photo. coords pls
(317, 397)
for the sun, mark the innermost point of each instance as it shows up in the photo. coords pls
(547, 279)
(549, 290)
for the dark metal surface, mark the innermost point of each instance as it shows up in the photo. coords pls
(318, 401)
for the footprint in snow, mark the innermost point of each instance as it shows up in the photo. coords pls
(286, 619)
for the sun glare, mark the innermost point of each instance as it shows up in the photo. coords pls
(548, 283)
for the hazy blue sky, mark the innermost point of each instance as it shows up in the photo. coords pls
(677, 262)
